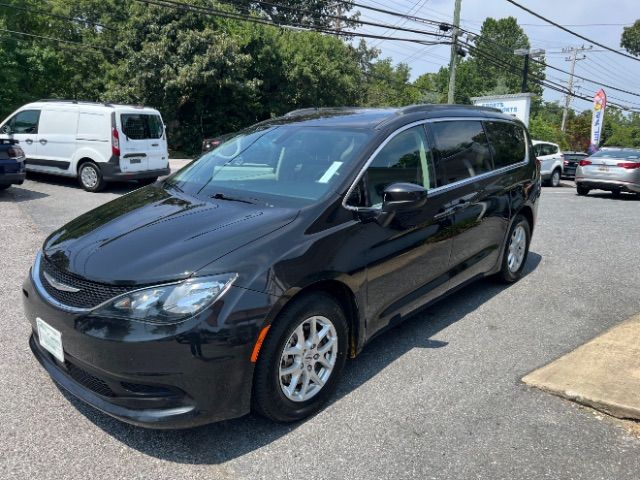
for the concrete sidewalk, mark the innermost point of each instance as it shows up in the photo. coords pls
(604, 373)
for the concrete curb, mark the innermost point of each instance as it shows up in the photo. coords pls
(604, 373)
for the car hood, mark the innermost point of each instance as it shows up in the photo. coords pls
(153, 235)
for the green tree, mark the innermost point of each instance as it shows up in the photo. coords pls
(631, 38)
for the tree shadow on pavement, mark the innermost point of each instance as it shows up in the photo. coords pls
(220, 442)
(18, 194)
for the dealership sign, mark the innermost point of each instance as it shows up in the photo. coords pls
(599, 105)
(518, 105)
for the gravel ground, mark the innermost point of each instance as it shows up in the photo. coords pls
(437, 397)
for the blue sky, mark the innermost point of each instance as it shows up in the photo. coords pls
(601, 66)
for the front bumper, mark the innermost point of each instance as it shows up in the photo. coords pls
(608, 185)
(156, 376)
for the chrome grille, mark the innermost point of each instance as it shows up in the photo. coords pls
(89, 295)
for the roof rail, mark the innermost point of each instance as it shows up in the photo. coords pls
(75, 102)
(430, 106)
(301, 111)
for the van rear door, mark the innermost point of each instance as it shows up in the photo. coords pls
(143, 145)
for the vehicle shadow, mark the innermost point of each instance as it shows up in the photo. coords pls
(17, 193)
(623, 197)
(224, 441)
(111, 187)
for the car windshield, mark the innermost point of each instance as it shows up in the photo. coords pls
(630, 154)
(296, 162)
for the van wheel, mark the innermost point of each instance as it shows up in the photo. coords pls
(147, 181)
(516, 250)
(554, 181)
(90, 177)
(301, 359)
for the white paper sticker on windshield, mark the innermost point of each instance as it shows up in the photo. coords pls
(330, 172)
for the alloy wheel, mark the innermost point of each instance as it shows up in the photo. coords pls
(308, 358)
(517, 248)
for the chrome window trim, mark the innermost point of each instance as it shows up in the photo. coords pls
(438, 190)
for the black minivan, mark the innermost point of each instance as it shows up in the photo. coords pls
(243, 281)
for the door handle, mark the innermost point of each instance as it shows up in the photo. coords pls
(29, 141)
(155, 144)
(43, 141)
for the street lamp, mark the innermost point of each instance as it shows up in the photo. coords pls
(526, 53)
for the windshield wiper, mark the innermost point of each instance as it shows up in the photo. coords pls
(172, 184)
(222, 196)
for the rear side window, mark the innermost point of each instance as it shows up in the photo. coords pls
(25, 122)
(460, 149)
(141, 126)
(507, 143)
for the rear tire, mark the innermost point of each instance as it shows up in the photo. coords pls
(4, 187)
(516, 250)
(554, 181)
(90, 177)
(582, 190)
(273, 394)
(616, 193)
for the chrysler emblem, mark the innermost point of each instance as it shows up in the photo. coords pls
(59, 285)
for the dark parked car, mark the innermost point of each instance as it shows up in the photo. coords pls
(570, 162)
(209, 144)
(12, 170)
(244, 281)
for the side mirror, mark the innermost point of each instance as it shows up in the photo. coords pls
(6, 129)
(402, 197)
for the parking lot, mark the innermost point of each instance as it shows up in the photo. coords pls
(437, 397)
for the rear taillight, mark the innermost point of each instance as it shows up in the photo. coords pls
(584, 163)
(115, 142)
(629, 165)
(565, 162)
(15, 152)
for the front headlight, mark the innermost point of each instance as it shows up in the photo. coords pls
(168, 303)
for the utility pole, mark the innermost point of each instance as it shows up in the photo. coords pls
(527, 53)
(573, 58)
(453, 61)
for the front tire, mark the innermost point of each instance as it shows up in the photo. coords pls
(301, 359)
(516, 250)
(90, 177)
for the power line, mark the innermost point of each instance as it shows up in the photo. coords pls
(576, 34)
(236, 16)
(55, 15)
(59, 40)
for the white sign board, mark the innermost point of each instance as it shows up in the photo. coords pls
(518, 105)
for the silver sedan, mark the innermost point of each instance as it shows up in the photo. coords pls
(613, 169)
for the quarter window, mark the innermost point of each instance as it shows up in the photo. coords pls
(507, 143)
(460, 150)
(25, 122)
(405, 158)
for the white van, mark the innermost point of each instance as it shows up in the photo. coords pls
(95, 142)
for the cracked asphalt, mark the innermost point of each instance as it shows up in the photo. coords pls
(437, 397)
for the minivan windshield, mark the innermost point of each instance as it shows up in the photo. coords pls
(292, 161)
(629, 154)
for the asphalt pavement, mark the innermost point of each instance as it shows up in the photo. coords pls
(438, 397)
